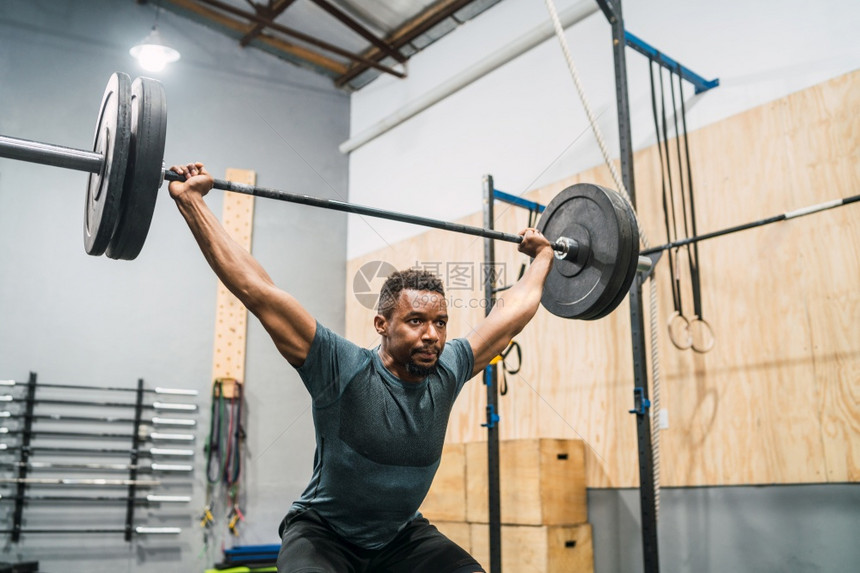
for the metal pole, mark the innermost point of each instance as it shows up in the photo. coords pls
(64, 450)
(153, 406)
(155, 420)
(493, 477)
(91, 498)
(647, 497)
(163, 391)
(47, 154)
(155, 467)
(144, 435)
(137, 530)
(760, 223)
(97, 482)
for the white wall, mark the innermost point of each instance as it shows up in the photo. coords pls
(524, 124)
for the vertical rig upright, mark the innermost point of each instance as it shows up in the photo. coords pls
(493, 487)
(647, 496)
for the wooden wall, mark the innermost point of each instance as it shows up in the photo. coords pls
(777, 400)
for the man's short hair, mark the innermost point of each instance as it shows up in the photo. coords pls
(410, 279)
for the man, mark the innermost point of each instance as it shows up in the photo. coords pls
(380, 415)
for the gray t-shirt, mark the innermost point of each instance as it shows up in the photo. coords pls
(379, 439)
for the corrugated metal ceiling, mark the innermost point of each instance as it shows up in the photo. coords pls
(351, 41)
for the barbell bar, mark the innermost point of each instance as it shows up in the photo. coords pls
(155, 420)
(149, 499)
(802, 212)
(65, 450)
(99, 482)
(149, 468)
(158, 406)
(99, 530)
(93, 162)
(594, 233)
(144, 434)
(156, 390)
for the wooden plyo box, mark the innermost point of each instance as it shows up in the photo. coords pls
(538, 548)
(542, 482)
(446, 500)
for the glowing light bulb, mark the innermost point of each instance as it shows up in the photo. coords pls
(152, 54)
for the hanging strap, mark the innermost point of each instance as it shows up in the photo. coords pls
(233, 463)
(692, 258)
(667, 213)
(670, 202)
(701, 333)
(506, 368)
(213, 442)
(677, 321)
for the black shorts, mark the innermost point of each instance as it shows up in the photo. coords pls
(309, 545)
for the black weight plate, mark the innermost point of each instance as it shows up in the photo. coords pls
(625, 211)
(143, 175)
(111, 140)
(616, 280)
(572, 292)
(604, 305)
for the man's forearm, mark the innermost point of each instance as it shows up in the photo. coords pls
(520, 302)
(235, 266)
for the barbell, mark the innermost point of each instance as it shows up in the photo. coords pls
(593, 230)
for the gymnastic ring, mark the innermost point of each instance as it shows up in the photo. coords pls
(673, 320)
(711, 339)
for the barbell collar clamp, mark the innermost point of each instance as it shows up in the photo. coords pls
(566, 249)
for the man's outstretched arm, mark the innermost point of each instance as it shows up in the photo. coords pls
(517, 305)
(291, 327)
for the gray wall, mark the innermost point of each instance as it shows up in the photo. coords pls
(776, 529)
(77, 319)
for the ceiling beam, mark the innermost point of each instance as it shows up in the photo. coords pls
(352, 24)
(301, 36)
(285, 50)
(272, 11)
(418, 25)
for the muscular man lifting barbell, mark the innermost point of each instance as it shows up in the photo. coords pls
(380, 415)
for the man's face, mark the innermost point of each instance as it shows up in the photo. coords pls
(415, 333)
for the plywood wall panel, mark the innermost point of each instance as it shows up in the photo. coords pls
(837, 374)
(776, 400)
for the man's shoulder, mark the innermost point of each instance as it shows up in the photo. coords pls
(457, 354)
(329, 346)
(326, 335)
(457, 345)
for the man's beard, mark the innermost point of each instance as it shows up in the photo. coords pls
(420, 371)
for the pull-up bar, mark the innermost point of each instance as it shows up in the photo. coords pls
(612, 10)
(519, 201)
(653, 54)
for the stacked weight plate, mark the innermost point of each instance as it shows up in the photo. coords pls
(604, 226)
